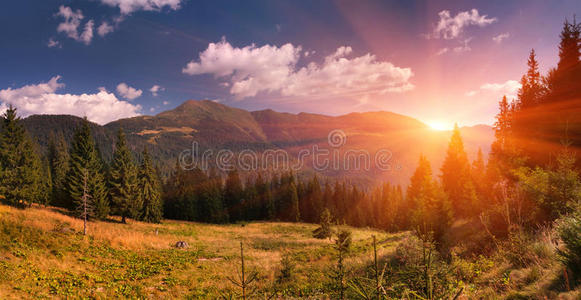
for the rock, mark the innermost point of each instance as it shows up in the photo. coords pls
(182, 244)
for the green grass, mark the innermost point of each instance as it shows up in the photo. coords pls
(44, 255)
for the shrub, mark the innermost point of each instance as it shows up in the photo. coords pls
(569, 229)
(286, 268)
(324, 231)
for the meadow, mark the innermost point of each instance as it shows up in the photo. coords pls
(43, 254)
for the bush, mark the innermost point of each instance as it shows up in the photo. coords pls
(569, 229)
(325, 231)
(286, 269)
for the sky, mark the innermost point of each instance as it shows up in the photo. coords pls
(442, 62)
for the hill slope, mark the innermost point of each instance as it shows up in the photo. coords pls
(43, 254)
(216, 126)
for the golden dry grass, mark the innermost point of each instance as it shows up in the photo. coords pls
(42, 261)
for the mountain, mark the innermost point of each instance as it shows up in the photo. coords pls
(214, 126)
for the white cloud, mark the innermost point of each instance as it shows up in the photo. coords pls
(449, 27)
(52, 43)
(87, 34)
(72, 22)
(156, 89)
(464, 47)
(102, 107)
(252, 69)
(105, 29)
(499, 38)
(165, 102)
(128, 92)
(152, 109)
(130, 6)
(509, 89)
(442, 51)
(3, 108)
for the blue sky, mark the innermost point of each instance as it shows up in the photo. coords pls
(363, 56)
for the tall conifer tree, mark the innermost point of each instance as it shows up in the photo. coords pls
(20, 167)
(58, 159)
(233, 194)
(84, 157)
(123, 181)
(456, 176)
(149, 188)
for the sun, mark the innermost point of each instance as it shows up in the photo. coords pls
(439, 126)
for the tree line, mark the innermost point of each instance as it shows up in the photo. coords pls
(68, 171)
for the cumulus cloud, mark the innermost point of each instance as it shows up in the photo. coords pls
(499, 38)
(128, 92)
(129, 6)
(156, 89)
(509, 89)
(449, 27)
(72, 23)
(104, 29)
(165, 102)
(253, 69)
(52, 43)
(102, 107)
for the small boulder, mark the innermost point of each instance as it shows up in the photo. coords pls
(182, 244)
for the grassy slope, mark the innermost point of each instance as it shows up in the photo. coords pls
(41, 257)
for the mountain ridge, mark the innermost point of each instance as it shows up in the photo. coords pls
(217, 126)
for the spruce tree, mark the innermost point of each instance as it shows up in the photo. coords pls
(532, 89)
(20, 176)
(149, 189)
(315, 198)
(211, 202)
(123, 181)
(58, 159)
(456, 176)
(431, 213)
(233, 194)
(295, 214)
(569, 47)
(85, 159)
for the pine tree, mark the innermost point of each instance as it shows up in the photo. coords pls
(415, 189)
(123, 180)
(233, 194)
(315, 199)
(295, 214)
(324, 231)
(263, 197)
(432, 212)
(45, 181)
(251, 208)
(84, 157)
(149, 189)
(531, 91)
(211, 201)
(58, 158)
(456, 176)
(569, 47)
(20, 176)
